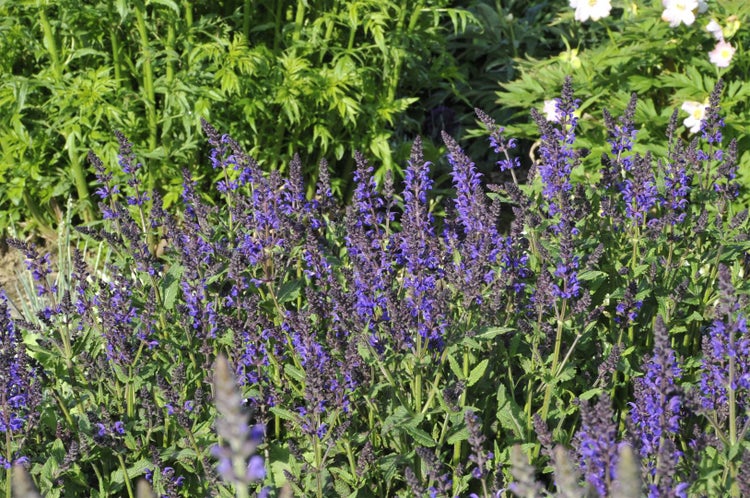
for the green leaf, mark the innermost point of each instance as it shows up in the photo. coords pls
(388, 466)
(477, 372)
(420, 436)
(289, 291)
(590, 394)
(489, 333)
(279, 462)
(585, 275)
(509, 414)
(456, 435)
(167, 3)
(455, 367)
(295, 373)
(284, 414)
(170, 285)
(397, 419)
(134, 470)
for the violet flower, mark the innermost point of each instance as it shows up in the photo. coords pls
(639, 190)
(677, 175)
(557, 155)
(655, 416)
(418, 252)
(19, 390)
(726, 352)
(369, 249)
(596, 444)
(130, 166)
(472, 234)
(500, 144)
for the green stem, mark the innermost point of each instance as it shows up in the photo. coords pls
(418, 376)
(555, 359)
(125, 477)
(278, 23)
(50, 43)
(36, 214)
(318, 477)
(8, 458)
(246, 19)
(299, 20)
(79, 175)
(732, 403)
(100, 479)
(114, 41)
(149, 96)
(188, 6)
(170, 50)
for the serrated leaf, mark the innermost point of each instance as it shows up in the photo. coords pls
(420, 436)
(279, 462)
(489, 333)
(135, 470)
(295, 373)
(289, 291)
(167, 3)
(388, 466)
(590, 394)
(509, 414)
(398, 418)
(477, 372)
(170, 285)
(590, 275)
(455, 367)
(284, 414)
(461, 434)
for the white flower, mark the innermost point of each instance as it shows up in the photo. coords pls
(591, 9)
(702, 6)
(550, 111)
(722, 54)
(697, 112)
(679, 11)
(714, 28)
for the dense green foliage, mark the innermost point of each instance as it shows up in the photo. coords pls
(316, 78)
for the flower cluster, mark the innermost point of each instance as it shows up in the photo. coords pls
(596, 444)
(655, 415)
(726, 353)
(557, 156)
(388, 326)
(19, 391)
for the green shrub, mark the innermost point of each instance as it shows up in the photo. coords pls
(281, 78)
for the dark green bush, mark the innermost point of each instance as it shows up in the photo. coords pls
(280, 77)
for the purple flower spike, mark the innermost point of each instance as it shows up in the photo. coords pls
(557, 155)
(19, 391)
(726, 350)
(596, 443)
(418, 251)
(655, 416)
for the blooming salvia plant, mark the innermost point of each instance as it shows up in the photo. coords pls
(411, 342)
